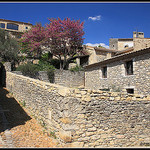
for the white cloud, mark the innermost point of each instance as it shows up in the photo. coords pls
(97, 44)
(95, 18)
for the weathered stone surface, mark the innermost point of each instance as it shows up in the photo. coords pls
(74, 145)
(63, 91)
(65, 120)
(65, 135)
(68, 78)
(117, 80)
(101, 120)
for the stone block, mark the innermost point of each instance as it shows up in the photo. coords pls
(78, 95)
(75, 144)
(91, 129)
(83, 92)
(129, 98)
(89, 133)
(86, 98)
(63, 91)
(77, 91)
(81, 116)
(65, 120)
(65, 135)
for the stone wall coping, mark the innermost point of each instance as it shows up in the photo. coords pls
(62, 90)
(39, 81)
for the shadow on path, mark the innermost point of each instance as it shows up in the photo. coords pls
(12, 110)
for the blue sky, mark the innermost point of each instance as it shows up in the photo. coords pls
(101, 20)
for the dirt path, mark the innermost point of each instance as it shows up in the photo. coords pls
(22, 129)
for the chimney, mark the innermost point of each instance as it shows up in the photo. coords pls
(138, 34)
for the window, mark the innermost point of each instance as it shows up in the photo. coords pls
(26, 28)
(129, 67)
(12, 26)
(140, 33)
(126, 46)
(104, 72)
(2, 25)
(130, 91)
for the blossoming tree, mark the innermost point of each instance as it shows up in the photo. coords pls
(32, 40)
(62, 38)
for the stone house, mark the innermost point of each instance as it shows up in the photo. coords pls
(15, 28)
(128, 73)
(123, 43)
(118, 46)
(126, 70)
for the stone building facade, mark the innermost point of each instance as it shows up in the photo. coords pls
(116, 77)
(120, 44)
(15, 28)
(140, 43)
(124, 43)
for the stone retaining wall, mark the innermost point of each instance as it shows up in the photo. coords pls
(83, 117)
(62, 77)
(68, 78)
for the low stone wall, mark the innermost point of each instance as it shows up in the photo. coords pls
(68, 78)
(62, 77)
(82, 117)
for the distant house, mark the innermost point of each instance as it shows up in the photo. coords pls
(126, 70)
(15, 28)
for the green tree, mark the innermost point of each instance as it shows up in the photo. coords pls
(9, 47)
(100, 46)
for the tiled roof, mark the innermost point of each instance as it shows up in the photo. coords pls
(15, 21)
(120, 57)
(125, 51)
(125, 39)
(105, 49)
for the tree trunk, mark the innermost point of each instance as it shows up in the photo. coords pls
(65, 63)
(61, 67)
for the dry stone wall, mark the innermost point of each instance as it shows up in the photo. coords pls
(62, 77)
(68, 78)
(84, 117)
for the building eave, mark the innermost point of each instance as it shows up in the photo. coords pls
(119, 57)
(15, 21)
(105, 50)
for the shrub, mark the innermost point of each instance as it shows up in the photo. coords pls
(55, 63)
(28, 69)
(77, 68)
(32, 70)
(46, 66)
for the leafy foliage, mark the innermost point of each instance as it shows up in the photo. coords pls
(32, 40)
(28, 69)
(9, 47)
(62, 38)
(76, 68)
(32, 70)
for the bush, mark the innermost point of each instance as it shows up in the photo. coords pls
(28, 69)
(46, 66)
(32, 70)
(77, 68)
(55, 63)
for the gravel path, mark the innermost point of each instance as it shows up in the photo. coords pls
(8, 142)
(18, 128)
